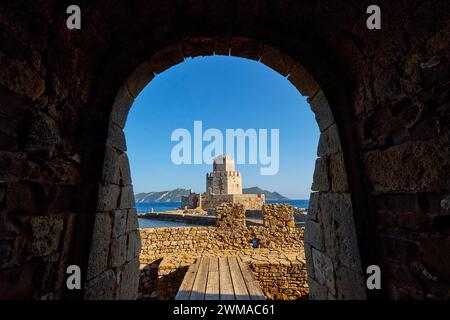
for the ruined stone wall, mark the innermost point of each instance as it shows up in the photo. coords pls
(278, 216)
(201, 239)
(253, 202)
(167, 253)
(190, 201)
(230, 217)
(249, 201)
(283, 280)
(381, 100)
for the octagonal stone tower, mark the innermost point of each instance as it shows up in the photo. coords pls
(224, 179)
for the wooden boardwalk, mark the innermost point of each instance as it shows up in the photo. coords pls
(219, 278)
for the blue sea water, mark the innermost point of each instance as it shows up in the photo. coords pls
(167, 206)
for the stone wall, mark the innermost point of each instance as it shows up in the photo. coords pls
(191, 201)
(279, 263)
(381, 100)
(230, 217)
(250, 201)
(278, 260)
(281, 279)
(200, 239)
(278, 216)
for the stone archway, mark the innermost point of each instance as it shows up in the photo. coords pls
(331, 245)
(387, 89)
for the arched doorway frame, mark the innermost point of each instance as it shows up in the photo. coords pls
(332, 246)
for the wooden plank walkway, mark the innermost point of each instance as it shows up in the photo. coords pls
(219, 278)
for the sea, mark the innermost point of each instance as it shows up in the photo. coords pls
(168, 206)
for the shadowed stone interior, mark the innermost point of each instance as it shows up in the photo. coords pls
(381, 99)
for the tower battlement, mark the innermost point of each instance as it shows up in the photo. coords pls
(223, 185)
(224, 179)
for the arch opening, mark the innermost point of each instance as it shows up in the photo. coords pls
(330, 241)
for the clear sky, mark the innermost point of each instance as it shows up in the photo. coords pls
(224, 93)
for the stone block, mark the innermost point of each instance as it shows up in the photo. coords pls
(336, 218)
(167, 58)
(134, 245)
(316, 290)
(313, 207)
(321, 108)
(43, 134)
(426, 129)
(127, 197)
(445, 203)
(276, 60)
(420, 166)
(338, 174)
(329, 142)
(350, 284)
(132, 220)
(313, 235)
(19, 76)
(107, 197)
(64, 251)
(321, 180)
(124, 170)
(245, 48)
(119, 251)
(101, 239)
(309, 260)
(102, 287)
(303, 81)
(9, 228)
(121, 106)
(116, 137)
(25, 197)
(431, 254)
(198, 46)
(139, 78)
(222, 46)
(324, 270)
(6, 248)
(45, 235)
(110, 173)
(120, 223)
(435, 70)
(129, 281)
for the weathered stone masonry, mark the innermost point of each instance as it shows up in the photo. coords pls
(381, 99)
(223, 185)
(278, 264)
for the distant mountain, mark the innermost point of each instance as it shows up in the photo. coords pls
(269, 195)
(176, 194)
(162, 196)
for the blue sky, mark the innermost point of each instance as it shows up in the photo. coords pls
(223, 93)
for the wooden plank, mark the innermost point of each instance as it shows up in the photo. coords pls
(199, 287)
(240, 289)
(184, 292)
(212, 285)
(225, 284)
(253, 287)
(214, 264)
(195, 265)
